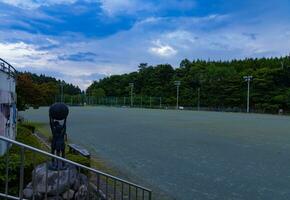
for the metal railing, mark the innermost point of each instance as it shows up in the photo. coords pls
(103, 185)
(7, 68)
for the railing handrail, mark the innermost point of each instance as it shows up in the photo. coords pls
(72, 162)
(11, 70)
(6, 196)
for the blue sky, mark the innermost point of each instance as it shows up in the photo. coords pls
(84, 40)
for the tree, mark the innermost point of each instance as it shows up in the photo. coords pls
(98, 92)
(221, 83)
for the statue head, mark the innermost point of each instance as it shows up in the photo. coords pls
(58, 111)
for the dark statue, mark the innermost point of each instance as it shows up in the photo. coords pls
(58, 113)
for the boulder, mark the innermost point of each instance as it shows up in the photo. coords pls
(81, 180)
(82, 193)
(69, 194)
(28, 193)
(65, 178)
(54, 198)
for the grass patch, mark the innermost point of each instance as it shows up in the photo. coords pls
(43, 128)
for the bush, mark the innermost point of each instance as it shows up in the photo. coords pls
(81, 160)
(24, 136)
(28, 126)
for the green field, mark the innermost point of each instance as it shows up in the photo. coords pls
(186, 154)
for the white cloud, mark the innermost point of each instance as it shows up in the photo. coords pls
(114, 7)
(32, 4)
(21, 55)
(162, 50)
(169, 40)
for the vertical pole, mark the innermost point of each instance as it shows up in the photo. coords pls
(177, 83)
(248, 96)
(57, 181)
(7, 168)
(115, 189)
(198, 99)
(150, 101)
(177, 96)
(98, 185)
(33, 177)
(67, 196)
(107, 197)
(248, 79)
(46, 180)
(129, 192)
(136, 193)
(21, 173)
(122, 191)
(131, 94)
(160, 103)
(61, 92)
(141, 101)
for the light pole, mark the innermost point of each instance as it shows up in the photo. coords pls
(61, 91)
(177, 83)
(132, 87)
(248, 79)
(141, 101)
(198, 98)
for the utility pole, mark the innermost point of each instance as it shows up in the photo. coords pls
(198, 98)
(177, 83)
(248, 79)
(141, 101)
(61, 91)
(282, 65)
(132, 87)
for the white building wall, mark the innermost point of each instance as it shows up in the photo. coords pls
(7, 105)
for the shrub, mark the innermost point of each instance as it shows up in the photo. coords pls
(28, 126)
(81, 160)
(23, 135)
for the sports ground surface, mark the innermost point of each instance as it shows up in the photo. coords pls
(186, 154)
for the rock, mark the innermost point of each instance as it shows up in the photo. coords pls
(54, 198)
(82, 193)
(27, 193)
(68, 194)
(67, 178)
(81, 180)
(38, 196)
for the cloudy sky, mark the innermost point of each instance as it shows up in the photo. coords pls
(84, 40)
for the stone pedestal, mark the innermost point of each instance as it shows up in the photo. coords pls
(63, 184)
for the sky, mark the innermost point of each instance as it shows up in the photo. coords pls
(84, 40)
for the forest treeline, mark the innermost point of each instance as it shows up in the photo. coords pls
(40, 90)
(221, 83)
